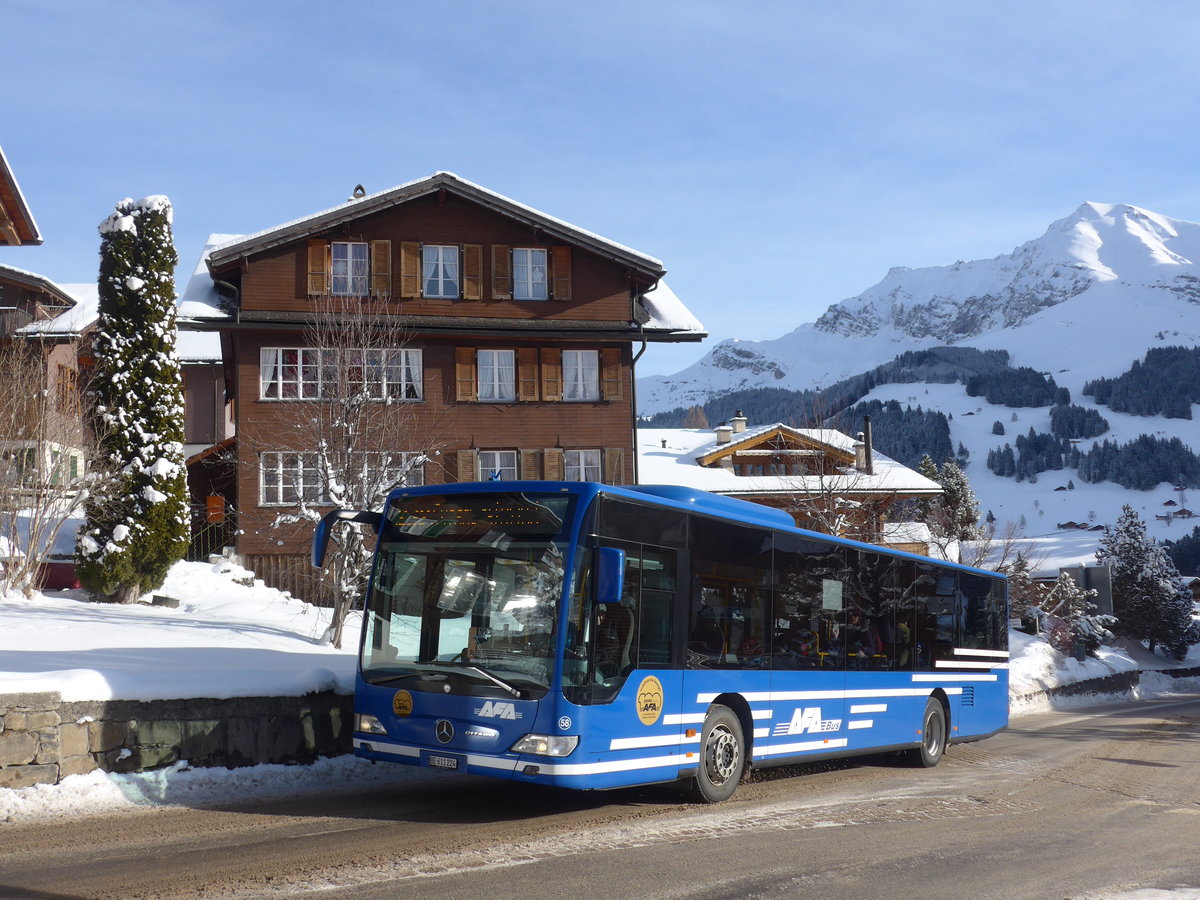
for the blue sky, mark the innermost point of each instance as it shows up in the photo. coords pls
(778, 157)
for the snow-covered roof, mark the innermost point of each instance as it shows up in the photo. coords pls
(357, 207)
(199, 299)
(72, 321)
(13, 204)
(668, 313)
(678, 463)
(192, 346)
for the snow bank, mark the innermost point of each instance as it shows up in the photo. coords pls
(229, 636)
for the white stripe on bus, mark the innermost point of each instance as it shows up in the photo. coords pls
(652, 740)
(967, 664)
(799, 747)
(968, 651)
(868, 708)
(860, 723)
(857, 693)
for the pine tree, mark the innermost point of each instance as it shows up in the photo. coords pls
(695, 418)
(137, 513)
(957, 511)
(1149, 599)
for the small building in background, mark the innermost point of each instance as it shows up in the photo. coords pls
(826, 480)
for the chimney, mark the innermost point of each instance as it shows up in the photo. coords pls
(664, 443)
(724, 433)
(869, 468)
(738, 422)
(860, 453)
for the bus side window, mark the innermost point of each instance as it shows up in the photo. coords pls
(731, 572)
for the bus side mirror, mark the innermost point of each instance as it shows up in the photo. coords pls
(320, 542)
(610, 574)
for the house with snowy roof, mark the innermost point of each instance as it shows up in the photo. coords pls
(827, 480)
(520, 335)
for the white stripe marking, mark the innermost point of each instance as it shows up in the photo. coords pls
(868, 708)
(966, 651)
(652, 740)
(967, 664)
(860, 723)
(801, 746)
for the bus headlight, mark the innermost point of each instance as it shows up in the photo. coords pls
(547, 744)
(369, 725)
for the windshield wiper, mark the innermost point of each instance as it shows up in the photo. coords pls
(388, 679)
(473, 668)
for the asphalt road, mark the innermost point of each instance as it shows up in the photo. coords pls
(1062, 805)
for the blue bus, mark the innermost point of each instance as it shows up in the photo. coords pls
(592, 637)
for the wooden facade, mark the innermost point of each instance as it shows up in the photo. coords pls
(499, 353)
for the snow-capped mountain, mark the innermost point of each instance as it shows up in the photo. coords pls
(1129, 271)
(1086, 299)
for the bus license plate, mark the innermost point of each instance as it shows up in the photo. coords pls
(443, 762)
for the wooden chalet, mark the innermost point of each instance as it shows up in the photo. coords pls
(827, 480)
(521, 334)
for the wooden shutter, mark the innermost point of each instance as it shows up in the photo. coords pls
(529, 465)
(472, 271)
(551, 373)
(318, 268)
(560, 258)
(552, 461)
(381, 269)
(527, 374)
(612, 378)
(614, 465)
(464, 374)
(501, 272)
(466, 466)
(410, 269)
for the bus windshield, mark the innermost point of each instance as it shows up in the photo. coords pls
(465, 593)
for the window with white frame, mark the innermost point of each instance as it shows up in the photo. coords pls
(581, 465)
(581, 374)
(497, 465)
(439, 270)
(286, 478)
(529, 274)
(348, 273)
(496, 371)
(385, 374)
(295, 373)
(312, 373)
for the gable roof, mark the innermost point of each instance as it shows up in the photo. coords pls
(17, 227)
(38, 283)
(358, 207)
(680, 462)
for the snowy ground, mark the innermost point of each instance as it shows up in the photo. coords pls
(230, 639)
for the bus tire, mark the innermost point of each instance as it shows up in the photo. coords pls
(933, 736)
(722, 756)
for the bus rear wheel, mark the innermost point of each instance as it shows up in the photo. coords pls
(933, 736)
(722, 755)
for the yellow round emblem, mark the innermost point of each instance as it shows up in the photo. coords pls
(402, 703)
(649, 700)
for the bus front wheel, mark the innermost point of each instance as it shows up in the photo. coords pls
(722, 755)
(933, 736)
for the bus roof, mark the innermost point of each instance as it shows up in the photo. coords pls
(684, 499)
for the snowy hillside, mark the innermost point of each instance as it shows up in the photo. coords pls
(1086, 299)
(1121, 279)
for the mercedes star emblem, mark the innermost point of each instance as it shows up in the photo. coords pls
(444, 731)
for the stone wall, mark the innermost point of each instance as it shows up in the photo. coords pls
(43, 740)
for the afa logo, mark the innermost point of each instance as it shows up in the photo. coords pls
(402, 703)
(497, 709)
(808, 721)
(649, 700)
